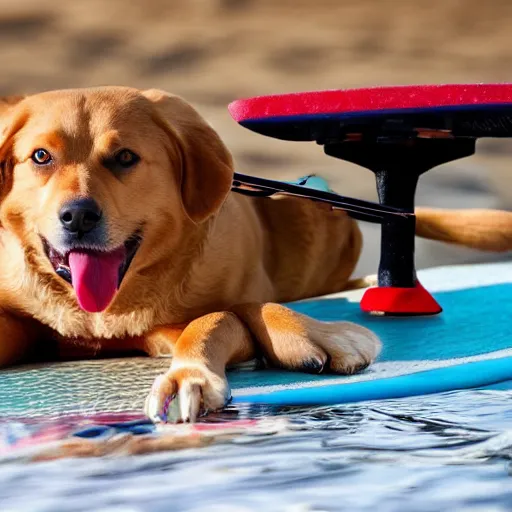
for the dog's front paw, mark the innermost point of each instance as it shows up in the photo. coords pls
(298, 342)
(186, 392)
(350, 347)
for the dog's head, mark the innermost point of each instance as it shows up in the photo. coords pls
(94, 181)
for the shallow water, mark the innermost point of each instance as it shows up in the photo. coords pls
(441, 452)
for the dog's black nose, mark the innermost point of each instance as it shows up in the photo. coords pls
(80, 216)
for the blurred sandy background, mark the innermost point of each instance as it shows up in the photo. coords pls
(214, 51)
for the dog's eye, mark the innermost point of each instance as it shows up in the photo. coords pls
(41, 157)
(126, 158)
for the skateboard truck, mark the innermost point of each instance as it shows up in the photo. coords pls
(397, 165)
(398, 133)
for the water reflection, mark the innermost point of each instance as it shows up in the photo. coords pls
(443, 452)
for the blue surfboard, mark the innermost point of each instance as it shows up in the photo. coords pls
(468, 346)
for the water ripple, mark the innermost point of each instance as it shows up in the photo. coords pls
(443, 452)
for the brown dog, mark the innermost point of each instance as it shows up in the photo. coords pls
(119, 233)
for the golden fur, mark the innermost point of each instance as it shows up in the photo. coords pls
(212, 266)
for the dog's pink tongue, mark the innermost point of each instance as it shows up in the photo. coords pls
(95, 277)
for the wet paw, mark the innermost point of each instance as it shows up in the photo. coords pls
(186, 392)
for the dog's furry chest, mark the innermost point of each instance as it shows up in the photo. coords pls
(71, 323)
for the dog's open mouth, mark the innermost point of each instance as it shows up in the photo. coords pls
(95, 275)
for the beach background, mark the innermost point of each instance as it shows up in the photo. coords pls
(214, 51)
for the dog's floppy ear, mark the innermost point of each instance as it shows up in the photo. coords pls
(206, 163)
(11, 120)
(8, 116)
